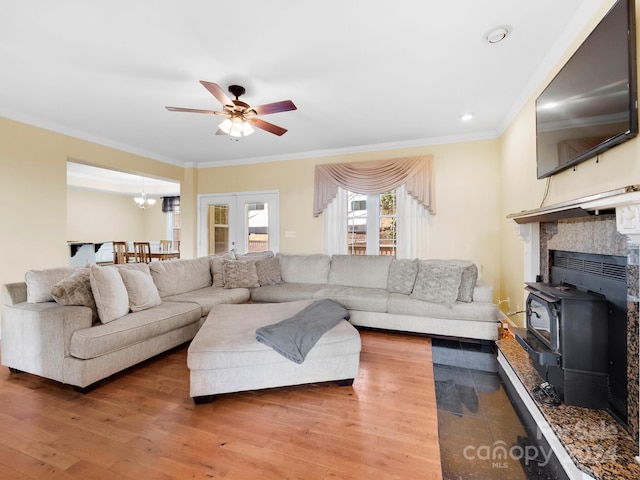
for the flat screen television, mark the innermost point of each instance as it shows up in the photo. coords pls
(591, 104)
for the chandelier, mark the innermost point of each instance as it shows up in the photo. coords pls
(142, 201)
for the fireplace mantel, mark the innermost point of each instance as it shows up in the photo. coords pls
(624, 202)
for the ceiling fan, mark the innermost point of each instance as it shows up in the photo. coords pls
(240, 115)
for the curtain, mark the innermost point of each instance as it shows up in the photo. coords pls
(170, 204)
(334, 220)
(411, 226)
(375, 177)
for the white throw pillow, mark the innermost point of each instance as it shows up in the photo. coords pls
(142, 292)
(39, 282)
(109, 292)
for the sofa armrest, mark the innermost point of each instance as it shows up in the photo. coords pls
(37, 336)
(483, 292)
(14, 293)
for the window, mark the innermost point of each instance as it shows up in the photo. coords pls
(391, 223)
(371, 223)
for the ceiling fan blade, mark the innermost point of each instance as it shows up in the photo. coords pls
(276, 107)
(217, 92)
(269, 127)
(194, 110)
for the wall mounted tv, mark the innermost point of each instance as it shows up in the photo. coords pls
(591, 104)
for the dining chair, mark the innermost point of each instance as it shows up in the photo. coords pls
(120, 252)
(165, 248)
(142, 252)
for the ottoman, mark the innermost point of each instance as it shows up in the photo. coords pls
(225, 356)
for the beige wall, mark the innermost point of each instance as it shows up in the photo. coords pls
(103, 217)
(33, 182)
(520, 190)
(466, 223)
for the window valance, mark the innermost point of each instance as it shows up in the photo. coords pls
(375, 177)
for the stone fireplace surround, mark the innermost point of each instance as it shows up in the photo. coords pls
(609, 224)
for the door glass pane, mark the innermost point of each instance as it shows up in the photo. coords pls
(356, 223)
(387, 225)
(218, 229)
(257, 226)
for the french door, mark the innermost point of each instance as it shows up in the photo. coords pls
(244, 222)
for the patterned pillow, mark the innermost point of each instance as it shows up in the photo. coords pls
(268, 271)
(469, 277)
(437, 283)
(402, 276)
(75, 290)
(142, 292)
(216, 267)
(239, 274)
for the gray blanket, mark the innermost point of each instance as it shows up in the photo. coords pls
(294, 337)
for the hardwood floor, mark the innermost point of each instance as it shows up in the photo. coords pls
(143, 425)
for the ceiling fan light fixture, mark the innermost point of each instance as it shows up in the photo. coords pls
(225, 126)
(236, 126)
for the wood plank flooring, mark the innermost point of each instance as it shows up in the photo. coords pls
(143, 425)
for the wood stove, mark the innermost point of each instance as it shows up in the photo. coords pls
(566, 337)
(576, 330)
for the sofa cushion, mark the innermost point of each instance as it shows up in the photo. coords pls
(255, 256)
(240, 274)
(209, 296)
(402, 275)
(179, 276)
(269, 271)
(109, 292)
(355, 298)
(75, 290)
(468, 279)
(142, 291)
(367, 271)
(216, 267)
(134, 328)
(437, 283)
(399, 304)
(285, 292)
(39, 282)
(305, 268)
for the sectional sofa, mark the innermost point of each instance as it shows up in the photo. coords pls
(81, 325)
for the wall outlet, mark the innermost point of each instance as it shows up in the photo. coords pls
(290, 234)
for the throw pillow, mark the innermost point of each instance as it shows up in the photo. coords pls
(437, 283)
(239, 274)
(268, 270)
(469, 277)
(39, 282)
(216, 267)
(109, 292)
(141, 290)
(75, 290)
(402, 275)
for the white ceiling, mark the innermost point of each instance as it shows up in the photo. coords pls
(364, 74)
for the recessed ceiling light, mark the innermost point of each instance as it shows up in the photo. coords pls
(466, 117)
(497, 34)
